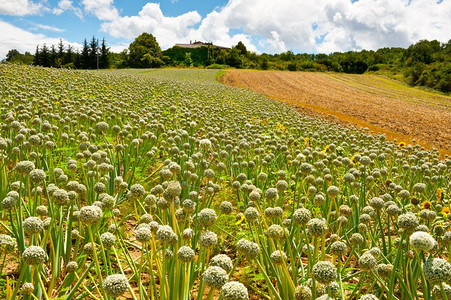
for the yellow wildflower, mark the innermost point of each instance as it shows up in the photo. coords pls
(439, 195)
(240, 220)
(426, 204)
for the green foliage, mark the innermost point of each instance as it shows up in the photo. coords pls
(241, 48)
(14, 56)
(90, 57)
(426, 63)
(199, 55)
(144, 52)
(217, 66)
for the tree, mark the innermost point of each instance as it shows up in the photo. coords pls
(144, 52)
(119, 60)
(60, 49)
(68, 58)
(188, 60)
(240, 46)
(104, 56)
(37, 57)
(93, 52)
(53, 56)
(84, 57)
(45, 56)
(11, 54)
(234, 59)
(14, 56)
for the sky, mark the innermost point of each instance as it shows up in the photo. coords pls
(271, 26)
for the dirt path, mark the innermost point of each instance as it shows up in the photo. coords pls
(376, 102)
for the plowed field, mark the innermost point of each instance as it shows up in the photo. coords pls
(378, 103)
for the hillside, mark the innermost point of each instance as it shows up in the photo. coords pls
(383, 105)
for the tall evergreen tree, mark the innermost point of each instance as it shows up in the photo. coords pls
(37, 57)
(53, 56)
(93, 52)
(84, 58)
(104, 56)
(45, 56)
(60, 48)
(68, 56)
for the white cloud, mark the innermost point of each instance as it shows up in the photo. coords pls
(104, 10)
(339, 25)
(67, 5)
(275, 44)
(15, 38)
(20, 7)
(167, 30)
(49, 28)
(373, 24)
(117, 48)
(275, 26)
(278, 24)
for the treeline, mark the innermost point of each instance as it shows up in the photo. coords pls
(91, 56)
(426, 63)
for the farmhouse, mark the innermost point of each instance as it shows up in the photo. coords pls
(196, 44)
(195, 53)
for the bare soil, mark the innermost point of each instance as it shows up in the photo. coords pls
(376, 102)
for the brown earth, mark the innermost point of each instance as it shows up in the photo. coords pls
(382, 105)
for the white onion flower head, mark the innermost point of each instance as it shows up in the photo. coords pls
(115, 285)
(7, 243)
(215, 277)
(249, 249)
(333, 191)
(90, 214)
(61, 197)
(367, 261)
(37, 176)
(207, 217)
(33, 225)
(271, 194)
(324, 272)
(188, 234)
(137, 191)
(34, 255)
(108, 239)
(25, 167)
(208, 239)
(422, 241)
(205, 144)
(234, 290)
(301, 216)
(174, 189)
(71, 267)
(302, 292)
(223, 261)
(143, 234)
(408, 221)
(166, 234)
(317, 227)
(186, 254)
(437, 270)
(27, 288)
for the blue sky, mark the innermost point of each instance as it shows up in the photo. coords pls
(263, 26)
